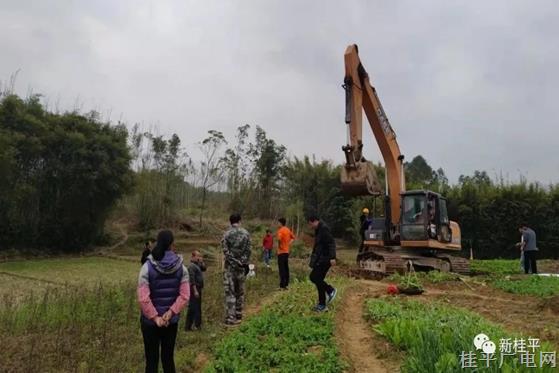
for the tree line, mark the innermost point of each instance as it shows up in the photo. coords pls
(64, 174)
(489, 211)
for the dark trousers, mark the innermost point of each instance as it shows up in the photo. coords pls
(530, 261)
(155, 337)
(194, 314)
(317, 276)
(362, 233)
(283, 266)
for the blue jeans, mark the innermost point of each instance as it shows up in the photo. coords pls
(267, 255)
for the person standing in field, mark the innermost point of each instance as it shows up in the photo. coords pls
(267, 246)
(236, 251)
(163, 292)
(518, 245)
(529, 248)
(196, 270)
(285, 237)
(146, 252)
(322, 258)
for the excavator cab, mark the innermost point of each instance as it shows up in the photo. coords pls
(424, 220)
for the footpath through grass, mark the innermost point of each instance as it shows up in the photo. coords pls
(434, 335)
(287, 336)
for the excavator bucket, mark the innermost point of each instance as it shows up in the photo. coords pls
(360, 180)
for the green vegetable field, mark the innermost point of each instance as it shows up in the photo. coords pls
(286, 336)
(85, 309)
(434, 335)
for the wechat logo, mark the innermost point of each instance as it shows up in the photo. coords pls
(482, 342)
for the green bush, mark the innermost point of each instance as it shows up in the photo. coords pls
(299, 250)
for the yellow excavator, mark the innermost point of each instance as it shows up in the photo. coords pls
(415, 230)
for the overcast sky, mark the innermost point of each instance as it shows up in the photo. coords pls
(467, 84)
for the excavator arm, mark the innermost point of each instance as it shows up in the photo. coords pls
(358, 175)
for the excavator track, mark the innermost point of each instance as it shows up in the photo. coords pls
(457, 264)
(384, 262)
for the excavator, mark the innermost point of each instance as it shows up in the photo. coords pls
(415, 230)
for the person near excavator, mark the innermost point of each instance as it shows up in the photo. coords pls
(528, 248)
(322, 258)
(364, 224)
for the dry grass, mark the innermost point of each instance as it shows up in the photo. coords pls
(86, 317)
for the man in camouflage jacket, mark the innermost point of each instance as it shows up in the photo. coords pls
(236, 252)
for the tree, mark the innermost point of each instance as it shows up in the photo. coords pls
(237, 161)
(418, 173)
(317, 186)
(161, 188)
(480, 179)
(269, 159)
(211, 167)
(295, 215)
(61, 175)
(439, 182)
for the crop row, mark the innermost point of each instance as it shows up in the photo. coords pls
(435, 336)
(287, 336)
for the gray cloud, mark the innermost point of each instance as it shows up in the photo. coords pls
(469, 85)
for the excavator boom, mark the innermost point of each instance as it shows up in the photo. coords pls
(358, 177)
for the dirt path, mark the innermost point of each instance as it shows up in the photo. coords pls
(24, 277)
(122, 241)
(357, 342)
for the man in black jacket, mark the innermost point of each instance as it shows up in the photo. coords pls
(146, 252)
(195, 269)
(322, 258)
